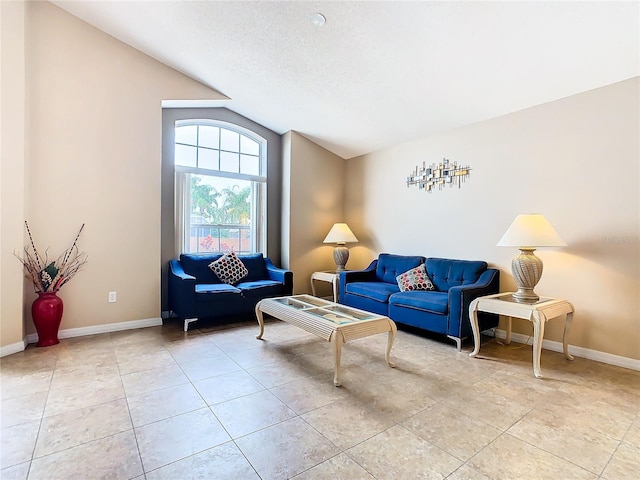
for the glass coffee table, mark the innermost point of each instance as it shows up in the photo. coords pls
(328, 320)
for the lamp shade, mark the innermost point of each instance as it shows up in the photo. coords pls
(532, 230)
(340, 233)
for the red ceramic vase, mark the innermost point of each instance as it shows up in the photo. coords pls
(47, 315)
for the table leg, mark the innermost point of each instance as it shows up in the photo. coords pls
(538, 320)
(260, 321)
(392, 337)
(565, 340)
(337, 340)
(313, 287)
(507, 339)
(473, 317)
(335, 289)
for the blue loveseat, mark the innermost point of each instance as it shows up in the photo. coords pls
(196, 291)
(444, 310)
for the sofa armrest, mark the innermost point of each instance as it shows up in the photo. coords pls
(461, 297)
(366, 275)
(176, 270)
(181, 288)
(281, 275)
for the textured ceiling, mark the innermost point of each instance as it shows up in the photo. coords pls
(380, 73)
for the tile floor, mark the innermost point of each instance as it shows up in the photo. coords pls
(216, 403)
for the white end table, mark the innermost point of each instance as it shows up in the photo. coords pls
(538, 312)
(330, 276)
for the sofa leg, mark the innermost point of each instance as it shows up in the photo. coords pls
(458, 341)
(187, 321)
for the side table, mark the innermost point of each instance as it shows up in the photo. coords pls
(330, 276)
(538, 313)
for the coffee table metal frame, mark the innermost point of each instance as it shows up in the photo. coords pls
(331, 321)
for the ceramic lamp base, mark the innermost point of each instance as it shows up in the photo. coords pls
(527, 270)
(340, 256)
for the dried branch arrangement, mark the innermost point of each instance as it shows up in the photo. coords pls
(50, 276)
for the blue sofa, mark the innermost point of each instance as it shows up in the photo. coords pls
(444, 310)
(196, 291)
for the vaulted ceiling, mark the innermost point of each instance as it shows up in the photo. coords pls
(377, 74)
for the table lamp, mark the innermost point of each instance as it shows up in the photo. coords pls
(340, 233)
(527, 232)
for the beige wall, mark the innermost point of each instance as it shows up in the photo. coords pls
(12, 167)
(575, 160)
(315, 203)
(94, 143)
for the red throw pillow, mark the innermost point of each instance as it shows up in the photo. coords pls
(415, 279)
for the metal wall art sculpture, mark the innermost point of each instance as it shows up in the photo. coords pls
(438, 175)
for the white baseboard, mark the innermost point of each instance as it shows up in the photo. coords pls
(13, 348)
(83, 331)
(603, 357)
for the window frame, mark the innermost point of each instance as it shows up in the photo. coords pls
(182, 175)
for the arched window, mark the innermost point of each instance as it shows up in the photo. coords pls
(220, 190)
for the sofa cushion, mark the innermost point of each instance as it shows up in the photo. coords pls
(257, 284)
(446, 273)
(197, 265)
(434, 302)
(390, 266)
(379, 291)
(414, 279)
(216, 288)
(261, 289)
(255, 265)
(229, 268)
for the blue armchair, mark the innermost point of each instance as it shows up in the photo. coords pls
(196, 291)
(444, 310)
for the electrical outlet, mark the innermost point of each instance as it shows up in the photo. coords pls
(112, 297)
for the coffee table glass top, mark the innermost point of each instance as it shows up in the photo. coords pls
(333, 312)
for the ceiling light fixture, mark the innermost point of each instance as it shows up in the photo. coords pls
(317, 19)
